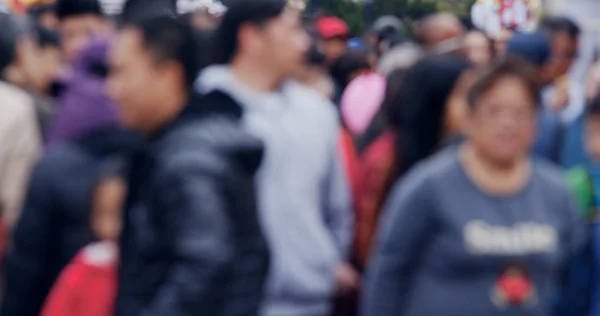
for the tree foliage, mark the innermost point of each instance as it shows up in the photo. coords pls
(357, 13)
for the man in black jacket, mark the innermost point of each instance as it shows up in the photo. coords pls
(192, 244)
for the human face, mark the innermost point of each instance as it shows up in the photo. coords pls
(27, 62)
(564, 52)
(78, 31)
(283, 43)
(49, 20)
(50, 65)
(334, 48)
(137, 82)
(501, 43)
(592, 136)
(477, 48)
(503, 121)
(109, 200)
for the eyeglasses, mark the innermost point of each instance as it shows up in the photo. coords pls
(496, 115)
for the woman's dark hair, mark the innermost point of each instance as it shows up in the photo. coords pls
(489, 40)
(392, 102)
(510, 67)
(428, 85)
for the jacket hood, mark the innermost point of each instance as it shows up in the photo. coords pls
(216, 109)
(83, 105)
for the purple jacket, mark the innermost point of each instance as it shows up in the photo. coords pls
(83, 105)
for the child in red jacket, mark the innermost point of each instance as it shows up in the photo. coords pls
(88, 285)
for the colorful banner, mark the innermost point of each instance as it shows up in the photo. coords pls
(493, 16)
(20, 6)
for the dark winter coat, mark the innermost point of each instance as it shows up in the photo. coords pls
(192, 243)
(55, 223)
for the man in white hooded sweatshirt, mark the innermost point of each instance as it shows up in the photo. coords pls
(303, 196)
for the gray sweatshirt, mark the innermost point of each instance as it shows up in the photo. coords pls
(303, 195)
(448, 248)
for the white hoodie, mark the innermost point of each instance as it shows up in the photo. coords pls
(303, 196)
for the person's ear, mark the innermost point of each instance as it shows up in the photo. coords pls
(171, 72)
(468, 123)
(22, 49)
(250, 39)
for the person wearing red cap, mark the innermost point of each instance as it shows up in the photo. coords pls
(334, 33)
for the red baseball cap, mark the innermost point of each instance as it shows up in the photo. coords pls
(330, 27)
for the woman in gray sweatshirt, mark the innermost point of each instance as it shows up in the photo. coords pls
(482, 230)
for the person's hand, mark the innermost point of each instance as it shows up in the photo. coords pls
(347, 279)
(561, 97)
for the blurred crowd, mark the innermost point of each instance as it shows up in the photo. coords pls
(182, 158)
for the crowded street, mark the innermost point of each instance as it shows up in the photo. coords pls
(299, 158)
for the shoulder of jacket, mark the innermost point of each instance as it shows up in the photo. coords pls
(425, 174)
(209, 143)
(312, 100)
(14, 96)
(16, 104)
(210, 131)
(440, 164)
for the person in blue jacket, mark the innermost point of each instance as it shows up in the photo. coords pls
(582, 279)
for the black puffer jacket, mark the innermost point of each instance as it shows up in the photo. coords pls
(192, 243)
(55, 223)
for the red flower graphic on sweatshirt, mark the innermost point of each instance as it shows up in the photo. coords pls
(514, 288)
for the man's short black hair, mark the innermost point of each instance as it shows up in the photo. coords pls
(240, 13)
(168, 38)
(143, 9)
(13, 29)
(71, 8)
(554, 25)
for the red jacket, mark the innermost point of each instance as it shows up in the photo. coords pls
(87, 286)
(372, 179)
